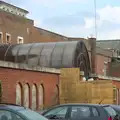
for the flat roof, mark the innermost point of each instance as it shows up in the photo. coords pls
(11, 65)
(111, 40)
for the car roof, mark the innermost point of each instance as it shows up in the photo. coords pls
(115, 107)
(11, 106)
(82, 104)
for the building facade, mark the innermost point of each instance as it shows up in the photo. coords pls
(32, 88)
(16, 28)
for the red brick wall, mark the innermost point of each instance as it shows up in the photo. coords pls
(15, 26)
(100, 59)
(23, 27)
(40, 35)
(114, 69)
(10, 77)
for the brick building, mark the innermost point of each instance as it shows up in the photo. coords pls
(36, 82)
(112, 46)
(15, 27)
(33, 71)
(32, 87)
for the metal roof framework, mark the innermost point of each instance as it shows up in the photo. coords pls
(52, 55)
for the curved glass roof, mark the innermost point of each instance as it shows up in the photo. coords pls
(53, 55)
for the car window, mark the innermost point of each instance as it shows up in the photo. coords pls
(7, 115)
(117, 110)
(110, 110)
(80, 111)
(95, 112)
(59, 112)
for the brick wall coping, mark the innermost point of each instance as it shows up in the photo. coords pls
(5, 64)
(108, 78)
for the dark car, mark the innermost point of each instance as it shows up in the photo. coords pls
(15, 112)
(81, 112)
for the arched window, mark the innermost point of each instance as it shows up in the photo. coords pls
(26, 101)
(57, 94)
(19, 94)
(55, 98)
(34, 97)
(41, 96)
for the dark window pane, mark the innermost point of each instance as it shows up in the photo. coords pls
(80, 112)
(57, 112)
(110, 111)
(95, 112)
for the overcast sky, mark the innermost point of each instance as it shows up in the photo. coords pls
(75, 18)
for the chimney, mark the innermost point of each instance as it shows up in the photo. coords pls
(92, 42)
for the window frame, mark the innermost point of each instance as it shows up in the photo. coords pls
(7, 34)
(77, 106)
(67, 113)
(20, 38)
(90, 108)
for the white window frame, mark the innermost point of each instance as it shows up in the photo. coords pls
(7, 34)
(20, 38)
(1, 37)
(105, 68)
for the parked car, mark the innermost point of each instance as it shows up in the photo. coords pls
(116, 108)
(81, 112)
(16, 112)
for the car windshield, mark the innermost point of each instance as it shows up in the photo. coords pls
(110, 111)
(31, 115)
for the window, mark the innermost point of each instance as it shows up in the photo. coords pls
(6, 115)
(8, 38)
(59, 112)
(95, 112)
(26, 101)
(110, 111)
(28, 30)
(81, 111)
(105, 68)
(31, 115)
(1, 37)
(34, 97)
(20, 40)
(18, 94)
(41, 96)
